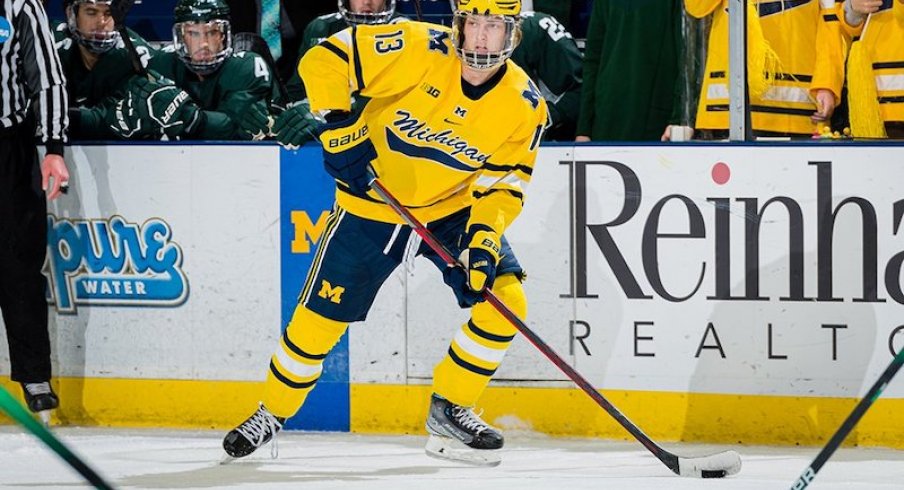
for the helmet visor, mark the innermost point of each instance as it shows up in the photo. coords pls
(203, 46)
(91, 24)
(484, 41)
(367, 11)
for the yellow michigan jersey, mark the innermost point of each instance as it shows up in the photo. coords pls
(440, 147)
(884, 40)
(899, 12)
(806, 36)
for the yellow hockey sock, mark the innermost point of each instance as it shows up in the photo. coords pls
(479, 346)
(296, 365)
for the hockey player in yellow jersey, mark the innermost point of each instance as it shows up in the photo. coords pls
(806, 36)
(452, 129)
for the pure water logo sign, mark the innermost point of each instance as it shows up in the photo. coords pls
(6, 30)
(113, 262)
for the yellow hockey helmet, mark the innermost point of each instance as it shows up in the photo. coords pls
(501, 13)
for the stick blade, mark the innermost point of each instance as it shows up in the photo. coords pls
(717, 465)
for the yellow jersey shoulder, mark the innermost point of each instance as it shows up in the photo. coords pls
(523, 95)
(419, 40)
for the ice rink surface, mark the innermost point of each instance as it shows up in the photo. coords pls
(162, 459)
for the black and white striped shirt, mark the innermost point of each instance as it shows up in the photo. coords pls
(30, 70)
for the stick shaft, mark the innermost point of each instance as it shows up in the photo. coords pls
(848, 425)
(666, 457)
(18, 413)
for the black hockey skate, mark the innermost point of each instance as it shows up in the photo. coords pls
(40, 399)
(458, 434)
(258, 430)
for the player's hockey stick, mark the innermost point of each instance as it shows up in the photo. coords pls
(118, 10)
(804, 480)
(712, 466)
(18, 413)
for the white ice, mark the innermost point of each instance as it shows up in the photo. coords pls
(163, 459)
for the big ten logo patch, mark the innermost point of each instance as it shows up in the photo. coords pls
(306, 231)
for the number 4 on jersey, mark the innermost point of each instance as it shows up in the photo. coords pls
(260, 69)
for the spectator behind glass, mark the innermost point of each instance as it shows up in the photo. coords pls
(229, 94)
(884, 49)
(630, 70)
(807, 81)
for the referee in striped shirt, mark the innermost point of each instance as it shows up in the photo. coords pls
(32, 93)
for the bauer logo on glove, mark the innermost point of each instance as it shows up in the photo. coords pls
(347, 139)
(490, 244)
(347, 152)
(173, 106)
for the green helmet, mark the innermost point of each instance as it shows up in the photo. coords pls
(97, 41)
(202, 35)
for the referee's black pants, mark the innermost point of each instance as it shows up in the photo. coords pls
(23, 246)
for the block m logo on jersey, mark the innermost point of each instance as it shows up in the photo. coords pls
(531, 94)
(327, 291)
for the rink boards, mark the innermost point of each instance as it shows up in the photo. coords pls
(714, 293)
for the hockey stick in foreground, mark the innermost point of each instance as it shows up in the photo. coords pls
(17, 412)
(804, 480)
(712, 466)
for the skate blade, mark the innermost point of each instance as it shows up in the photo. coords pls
(449, 449)
(45, 417)
(227, 459)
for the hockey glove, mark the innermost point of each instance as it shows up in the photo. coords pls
(480, 259)
(125, 123)
(162, 104)
(296, 126)
(255, 120)
(347, 153)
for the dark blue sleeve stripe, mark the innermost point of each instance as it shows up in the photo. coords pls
(473, 229)
(478, 195)
(359, 75)
(335, 50)
(508, 168)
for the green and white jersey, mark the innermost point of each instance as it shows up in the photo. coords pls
(551, 58)
(93, 92)
(223, 96)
